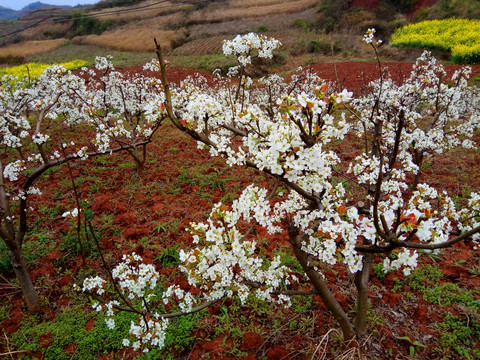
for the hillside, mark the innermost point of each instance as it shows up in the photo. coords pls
(7, 14)
(311, 31)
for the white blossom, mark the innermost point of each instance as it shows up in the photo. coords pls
(71, 214)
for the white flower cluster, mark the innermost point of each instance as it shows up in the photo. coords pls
(94, 284)
(369, 35)
(147, 334)
(34, 191)
(121, 107)
(184, 299)
(48, 96)
(137, 280)
(369, 38)
(468, 221)
(288, 140)
(39, 138)
(243, 46)
(82, 153)
(226, 262)
(103, 63)
(134, 277)
(14, 102)
(153, 65)
(114, 105)
(422, 116)
(71, 214)
(287, 130)
(12, 170)
(435, 115)
(406, 259)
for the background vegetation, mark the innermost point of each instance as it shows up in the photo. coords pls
(311, 31)
(459, 36)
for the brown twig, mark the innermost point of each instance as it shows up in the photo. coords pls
(8, 346)
(11, 353)
(112, 279)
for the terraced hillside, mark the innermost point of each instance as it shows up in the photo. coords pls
(192, 34)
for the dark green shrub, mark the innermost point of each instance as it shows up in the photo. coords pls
(169, 257)
(461, 335)
(12, 60)
(330, 13)
(106, 4)
(85, 25)
(302, 23)
(402, 5)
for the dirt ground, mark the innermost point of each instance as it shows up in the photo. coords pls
(135, 210)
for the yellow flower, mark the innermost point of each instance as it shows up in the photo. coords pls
(459, 36)
(34, 70)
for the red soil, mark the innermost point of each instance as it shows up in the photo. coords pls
(373, 4)
(355, 76)
(138, 203)
(352, 75)
(366, 4)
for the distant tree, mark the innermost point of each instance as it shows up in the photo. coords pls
(35, 118)
(106, 4)
(85, 25)
(330, 12)
(402, 5)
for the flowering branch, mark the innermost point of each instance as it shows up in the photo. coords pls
(286, 131)
(56, 101)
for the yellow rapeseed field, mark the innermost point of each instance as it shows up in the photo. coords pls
(34, 70)
(459, 36)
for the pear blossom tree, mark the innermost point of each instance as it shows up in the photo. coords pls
(33, 117)
(113, 104)
(286, 130)
(431, 113)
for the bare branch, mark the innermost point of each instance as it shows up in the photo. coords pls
(194, 310)
(256, 285)
(412, 245)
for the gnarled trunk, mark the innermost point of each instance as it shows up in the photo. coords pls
(23, 276)
(321, 287)
(361, 282)
(138, 157)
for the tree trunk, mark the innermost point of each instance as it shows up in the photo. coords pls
(321, 287)
(418, 160)
(24, 280)
(139, 160)
(361, 282)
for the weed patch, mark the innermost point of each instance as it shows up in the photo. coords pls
(69, 328)
(461, 336)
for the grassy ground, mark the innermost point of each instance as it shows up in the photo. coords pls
(433, 313)
(69, 52)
